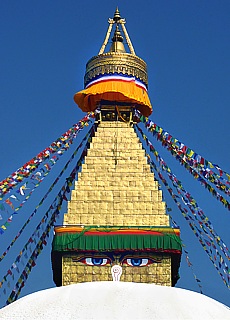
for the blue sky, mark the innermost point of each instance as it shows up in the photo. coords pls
(44, 48)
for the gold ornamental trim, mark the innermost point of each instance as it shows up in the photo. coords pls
(116, 62)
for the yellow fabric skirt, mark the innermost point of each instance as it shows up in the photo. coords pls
(114, 90)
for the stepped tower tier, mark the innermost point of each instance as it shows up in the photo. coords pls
(116, 215)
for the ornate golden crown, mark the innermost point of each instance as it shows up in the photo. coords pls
(117, 60)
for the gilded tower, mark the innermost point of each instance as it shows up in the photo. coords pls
(116, 215)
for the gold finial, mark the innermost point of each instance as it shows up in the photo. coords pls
(117, 16)
(117, 20)
(117, 39)
(117, 35)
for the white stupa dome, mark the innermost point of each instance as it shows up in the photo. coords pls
(115, 300)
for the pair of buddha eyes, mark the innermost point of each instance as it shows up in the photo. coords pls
(133, 262)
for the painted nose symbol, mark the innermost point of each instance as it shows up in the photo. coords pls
(116, 272)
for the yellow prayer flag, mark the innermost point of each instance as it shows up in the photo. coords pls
(210, 164)
(190, 153)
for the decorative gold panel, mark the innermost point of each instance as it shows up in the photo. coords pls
(75, 272)
(116, 62)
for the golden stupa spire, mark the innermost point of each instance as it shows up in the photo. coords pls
(117, 16)
(116, 217)
(115, 75)
(116, 41)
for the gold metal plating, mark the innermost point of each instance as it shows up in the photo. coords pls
(117, 20)
(76, 272)
(116, 62)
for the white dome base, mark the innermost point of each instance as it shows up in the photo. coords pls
(115, 300)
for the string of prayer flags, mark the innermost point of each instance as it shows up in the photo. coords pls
(12, 210)
(196, 175)
(198, 222)
(31, 262)
(55, 208)
(220, 265)
(206, 168)
(58, 146)
(190, 265)
(197, 231)
(200, 175)
(69, 180)
(186, 196)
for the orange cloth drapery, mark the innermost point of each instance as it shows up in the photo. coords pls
(114, 90)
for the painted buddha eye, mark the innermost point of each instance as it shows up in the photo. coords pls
(96, 261)
(137, 262)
